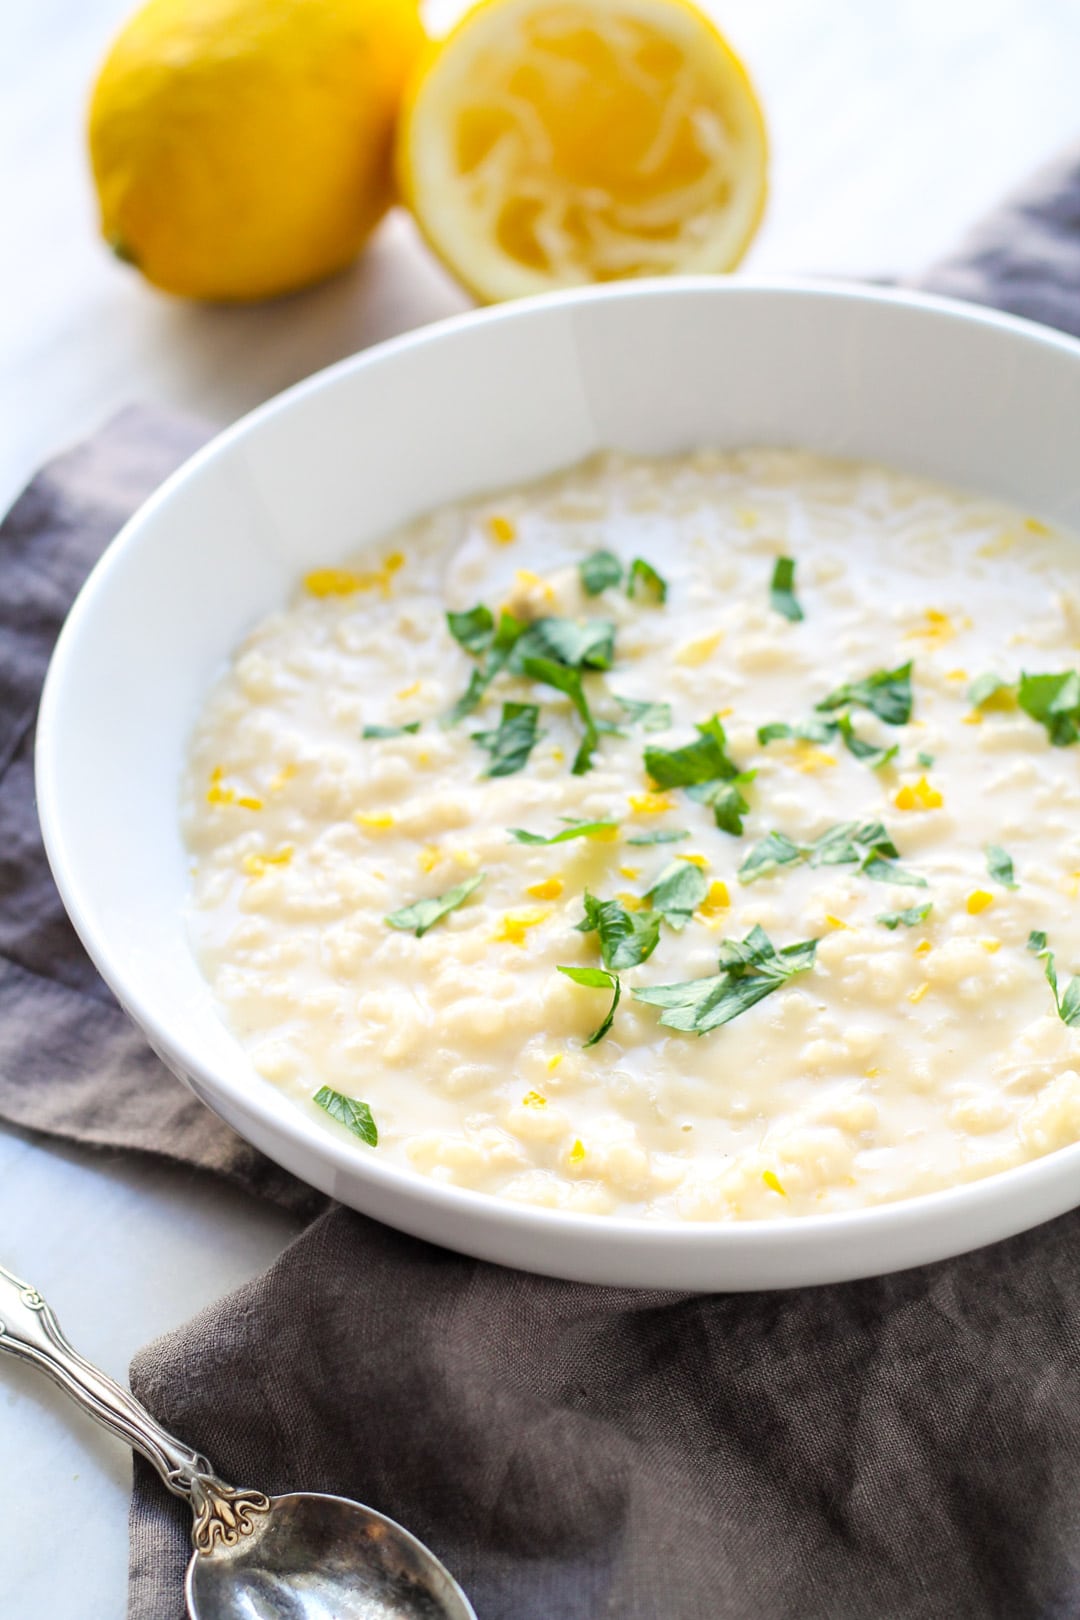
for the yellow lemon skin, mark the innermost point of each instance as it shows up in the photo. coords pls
(244, 148)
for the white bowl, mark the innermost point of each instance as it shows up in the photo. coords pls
(975, 398)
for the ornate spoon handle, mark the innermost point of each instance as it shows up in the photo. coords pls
(29, 1330)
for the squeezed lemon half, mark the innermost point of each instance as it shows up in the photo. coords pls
(548, 143)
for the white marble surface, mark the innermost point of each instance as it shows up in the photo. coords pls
(894, 126)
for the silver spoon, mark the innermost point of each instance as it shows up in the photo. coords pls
(297, 1557)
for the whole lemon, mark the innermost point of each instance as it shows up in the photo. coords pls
(243, 148)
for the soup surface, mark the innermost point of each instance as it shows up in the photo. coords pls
(763, 784)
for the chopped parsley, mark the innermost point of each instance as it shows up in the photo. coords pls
(576, 829)
(626, 937)
(513, 741)
(823, 731)
(586, 645)
(649, 716)
(1054, 701)
(726, 801)
(770, 853)
(866, 845)
(886, 693)
(868, 752)
(924, 759)
(477, 632)
(350, 1112)
(663, 835)
(750, 970)
(599, 570)
(1068, 1005)
(644, 578)
(424, 914)
(909, 918)
(1000, 866)
(782, 590)
(391, 731)
(568, 681)
(597, 979)
(705, 760)
(678, 892)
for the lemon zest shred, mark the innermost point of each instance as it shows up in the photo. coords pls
(577, 1152)
(923, 948)
(773, 1182)
(548, 888)
(514, 926)
(990, 945)
(651, 804)
(918, 796)
(501, 529)
(919, 991)
(979, 900)
(630, 872)
(374, 820)
(409, 691)
(533, 1099)
(700, 861)
(554, 1060)
(837, 922)
(255, 864)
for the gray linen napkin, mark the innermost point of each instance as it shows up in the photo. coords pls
(907, 1447)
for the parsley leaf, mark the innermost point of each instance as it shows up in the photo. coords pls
(477, 633)
(599, 570)
(391, 731)
(924, 759)
(1000, 867)
(858, 746)
(726, 801)
(750, 970)
(815, 731)
(644, 576)
(589, 645)
(577, 829)
(350, 1112)
(677, 893)
(650, 716)
(705, 760)
(626, 937)
(909, 918)
(1068, 1005)
(782, 590)
(823, 731)
(424, 914)
(597, 979)
(512, 743)
(776, 849)
(568, 681)
(1053, 700)
(474, 629)
(886, 693)
(663, 835)
(984, 688)
(863, 844)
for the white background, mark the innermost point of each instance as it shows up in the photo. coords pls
(895, 123)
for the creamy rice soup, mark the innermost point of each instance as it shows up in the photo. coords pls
(780, 751)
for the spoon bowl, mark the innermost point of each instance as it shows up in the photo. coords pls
(298, 1557)
(312, 1557)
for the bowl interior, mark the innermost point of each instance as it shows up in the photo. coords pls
(489, 400)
